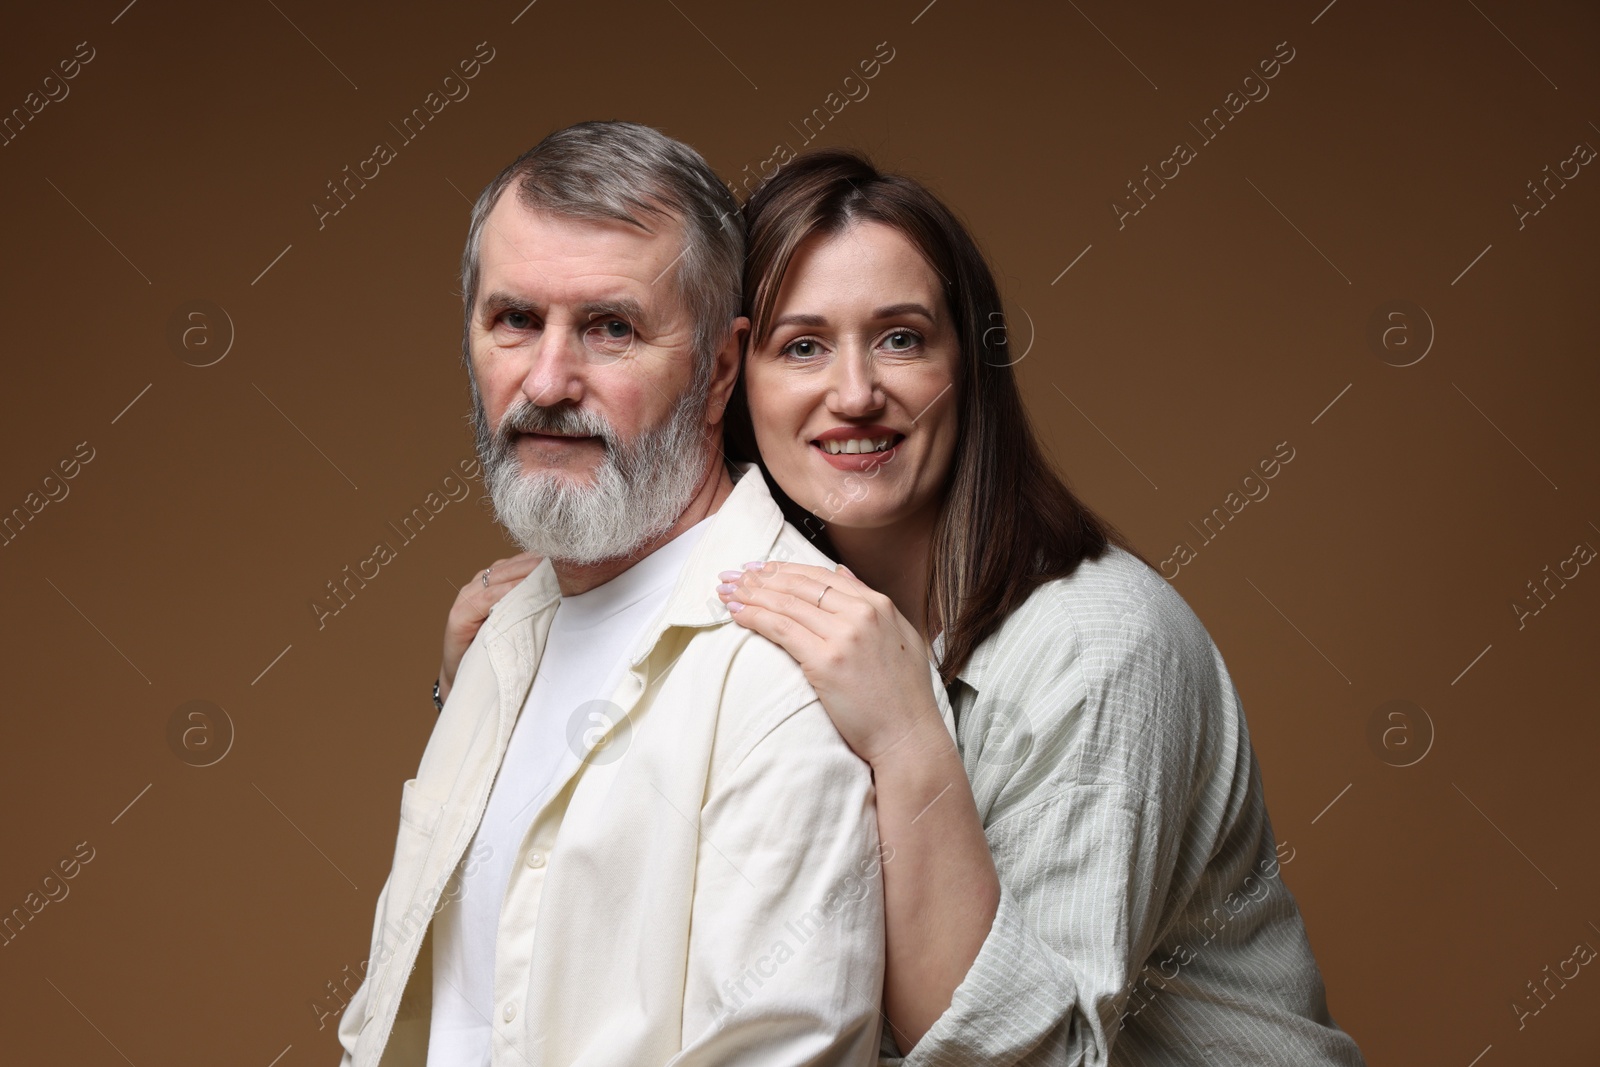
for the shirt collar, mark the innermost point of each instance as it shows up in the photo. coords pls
(977, 665)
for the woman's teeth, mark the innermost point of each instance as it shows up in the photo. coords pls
(856, 445)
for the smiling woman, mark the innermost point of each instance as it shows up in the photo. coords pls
(868, 317)
(857, 369)
(1060, 762)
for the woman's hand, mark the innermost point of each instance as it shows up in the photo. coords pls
(472, 607)
(867, 663)
(870, 669)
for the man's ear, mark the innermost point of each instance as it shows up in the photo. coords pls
(726, 370)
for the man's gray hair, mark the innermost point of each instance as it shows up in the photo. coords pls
(631, 173)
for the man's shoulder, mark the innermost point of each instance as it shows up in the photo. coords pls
(761, 671)
(766, 702)
(793, 546)
(761, 666)
(764, 687)
(762, 678)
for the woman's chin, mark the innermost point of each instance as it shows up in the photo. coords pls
(857, 516)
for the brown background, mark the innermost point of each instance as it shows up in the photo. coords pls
(1175, 353)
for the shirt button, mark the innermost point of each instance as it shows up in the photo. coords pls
(535, 860)
(510, 1012)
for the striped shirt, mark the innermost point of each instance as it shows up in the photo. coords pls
(1142, 918)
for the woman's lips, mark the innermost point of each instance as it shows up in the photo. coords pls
(858, 461)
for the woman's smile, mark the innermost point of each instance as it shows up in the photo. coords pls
(851, 380)
(857, 448)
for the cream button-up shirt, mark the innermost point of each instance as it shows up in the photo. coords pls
(703, 888)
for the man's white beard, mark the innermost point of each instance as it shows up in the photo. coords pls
(638, 491)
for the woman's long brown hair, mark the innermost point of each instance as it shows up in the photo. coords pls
(1008, 521)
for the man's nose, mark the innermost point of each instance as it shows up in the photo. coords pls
(855, 389)
(556, 372)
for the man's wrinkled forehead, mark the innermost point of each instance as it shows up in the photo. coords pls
(540, 257)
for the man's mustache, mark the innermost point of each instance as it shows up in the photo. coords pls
(527, 417)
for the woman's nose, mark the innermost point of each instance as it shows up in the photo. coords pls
(855, 389)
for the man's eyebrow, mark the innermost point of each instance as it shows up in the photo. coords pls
(500, 300)
(623, 307)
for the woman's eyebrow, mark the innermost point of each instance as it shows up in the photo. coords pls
(796, 318)
(890, 311)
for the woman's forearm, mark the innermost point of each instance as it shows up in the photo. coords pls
(939, 883)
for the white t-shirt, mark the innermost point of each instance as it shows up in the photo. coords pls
(581, 667)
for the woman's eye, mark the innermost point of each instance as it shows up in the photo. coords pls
(901, 340)
(804, 348)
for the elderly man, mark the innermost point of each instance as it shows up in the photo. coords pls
(634, 837)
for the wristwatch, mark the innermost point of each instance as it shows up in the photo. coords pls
(438, 703)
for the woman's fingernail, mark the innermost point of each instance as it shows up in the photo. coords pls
(755, 565)
(730, 576)
(735, 607)
(726, 588)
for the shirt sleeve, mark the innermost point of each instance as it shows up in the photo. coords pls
(1140, 901)
(1092, 748)
(785, 962)
(1048, 982)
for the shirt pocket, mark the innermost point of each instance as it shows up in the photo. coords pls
(418, 811)
(400, 914)
(404, 912)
